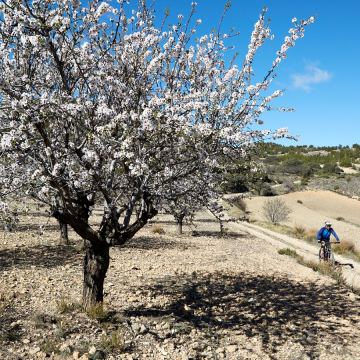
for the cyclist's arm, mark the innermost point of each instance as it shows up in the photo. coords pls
(335, 235)
(318, 236)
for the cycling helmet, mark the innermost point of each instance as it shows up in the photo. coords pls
(327, 223)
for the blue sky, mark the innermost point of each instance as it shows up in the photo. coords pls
(321, 74)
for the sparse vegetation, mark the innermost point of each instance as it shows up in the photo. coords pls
(299, 231)
(114, 341)
(347, 248)
(325, 268)
(276, 210)
(97, 312)
(288, 252)
(157, 229)
(50, 346)
(65, 306)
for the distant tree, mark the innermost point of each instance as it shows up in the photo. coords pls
(276, 210)
(98, 104)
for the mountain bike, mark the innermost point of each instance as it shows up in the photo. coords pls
(325, 251)
(326, 254)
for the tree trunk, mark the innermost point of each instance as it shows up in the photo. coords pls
(179, 221)
(96, 263)
(64, 238)
(180, 227)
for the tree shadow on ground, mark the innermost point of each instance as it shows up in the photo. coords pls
(41, 256)
(217, 234)
(10, 328)
(276, 310)
(156, 243)
(36, 227)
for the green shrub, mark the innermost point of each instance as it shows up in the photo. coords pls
(288, 252)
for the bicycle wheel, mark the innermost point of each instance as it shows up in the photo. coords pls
(331, 258)
(321, 254)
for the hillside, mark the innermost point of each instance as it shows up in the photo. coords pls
(171, 297)
(311, 208)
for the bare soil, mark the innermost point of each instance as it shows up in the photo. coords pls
(172, 297)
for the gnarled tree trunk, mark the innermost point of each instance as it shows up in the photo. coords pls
(96, 263)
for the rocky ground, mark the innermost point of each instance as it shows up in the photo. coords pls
(348, 185)
(170, 297)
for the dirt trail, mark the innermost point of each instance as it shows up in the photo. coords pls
(308, 251)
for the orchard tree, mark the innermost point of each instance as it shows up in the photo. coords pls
(99, 103)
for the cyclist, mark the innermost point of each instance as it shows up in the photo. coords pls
(325, 232)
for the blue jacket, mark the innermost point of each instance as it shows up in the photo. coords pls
(324, 234)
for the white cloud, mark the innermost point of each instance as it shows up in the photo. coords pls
(312, 75)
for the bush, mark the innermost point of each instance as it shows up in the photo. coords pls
(331, 168)
(264, 189)
(97, 312)
(345, 163)
(299, 202)
(299, 231)
(340, 218)
(157, 229)
(65, 307)
(310, 235)
(276, 210)
(288, 252)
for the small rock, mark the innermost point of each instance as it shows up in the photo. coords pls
(34, 350)
(26, 341)
(41, 355)
(76, 355)
(142, 329)
(231, 348)
(92, 350)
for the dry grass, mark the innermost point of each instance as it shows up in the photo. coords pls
(288, 252)
(325, 268)
(299, 231)
(310, 235)
(347, 248)
(66, 306)
(157, 229)
(114, 341)
(97, 312)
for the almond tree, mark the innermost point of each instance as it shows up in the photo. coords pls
(97, 103)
